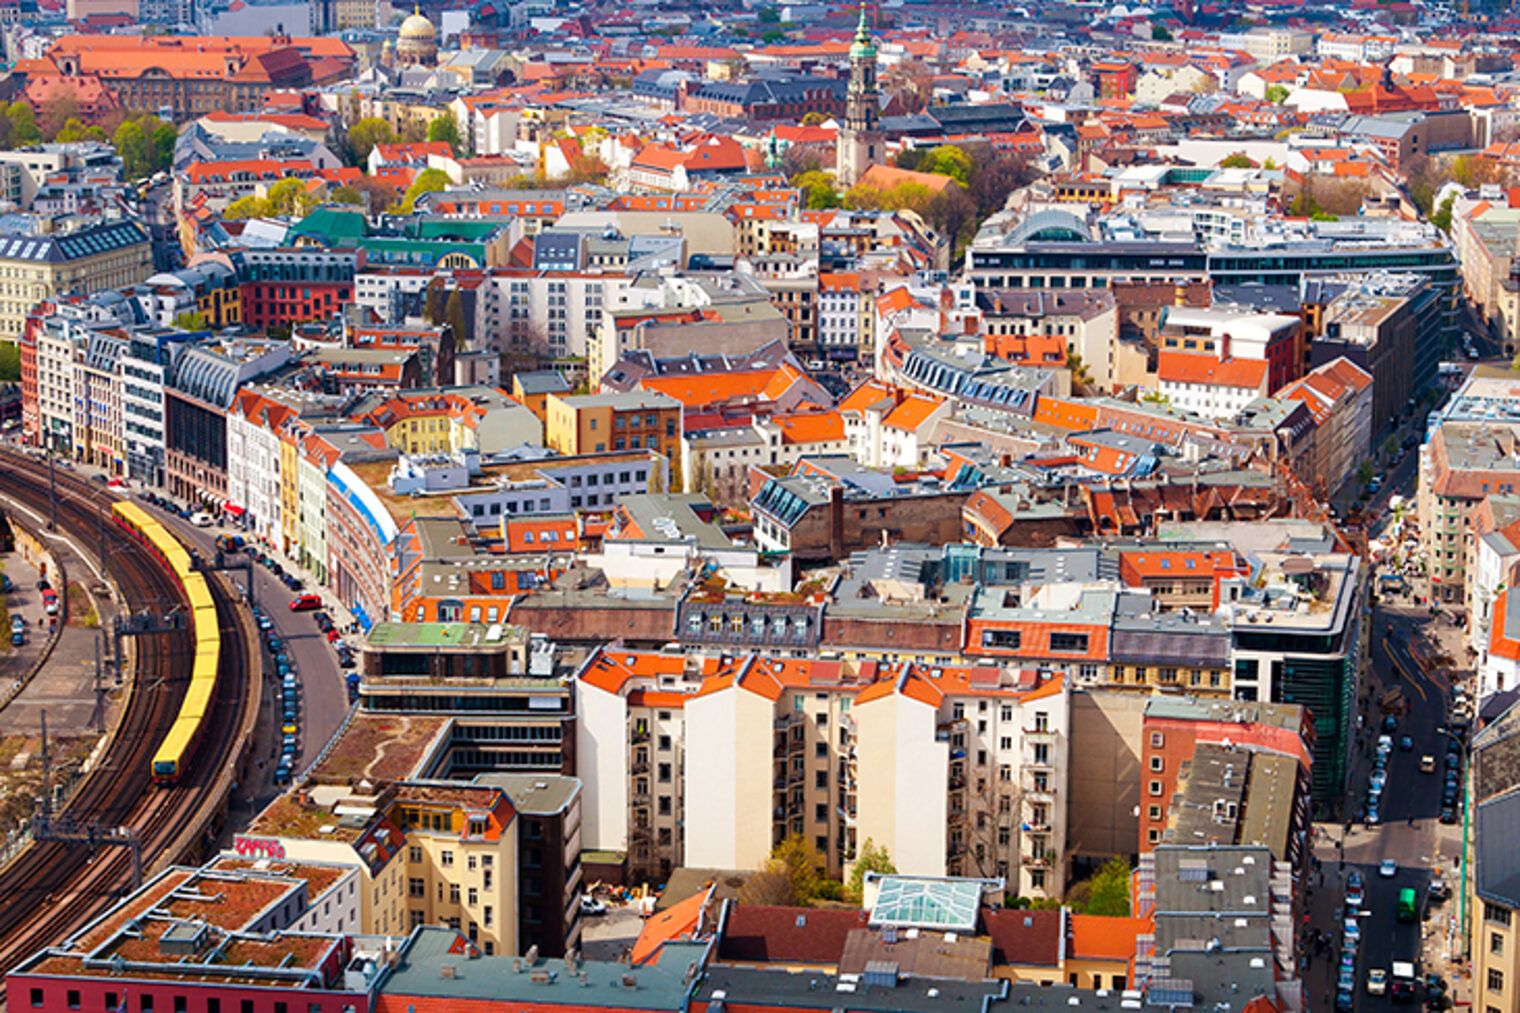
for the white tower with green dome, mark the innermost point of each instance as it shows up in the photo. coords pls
(860, 144)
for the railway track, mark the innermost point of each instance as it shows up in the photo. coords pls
(52, 889)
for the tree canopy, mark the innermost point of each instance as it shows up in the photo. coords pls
(1106, 893)
(427, 181)
(445, 129)
(365, 134)
(870, 859)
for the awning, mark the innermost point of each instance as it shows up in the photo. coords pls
(234, 510)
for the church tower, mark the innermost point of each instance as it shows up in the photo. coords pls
(860, 144)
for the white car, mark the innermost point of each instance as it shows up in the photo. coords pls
(201, 519)
(591, 906)
(1377, 981)
(1388, 868)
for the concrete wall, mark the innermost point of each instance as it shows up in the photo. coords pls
(1104, 775)
(601, 749)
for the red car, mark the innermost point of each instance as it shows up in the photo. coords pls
(305, 603)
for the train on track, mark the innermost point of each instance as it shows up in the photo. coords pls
(169, 762)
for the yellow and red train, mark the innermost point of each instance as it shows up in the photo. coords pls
(170, 760)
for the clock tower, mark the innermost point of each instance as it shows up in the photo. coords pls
(860, 144)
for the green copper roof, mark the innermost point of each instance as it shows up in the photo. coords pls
(863, 46)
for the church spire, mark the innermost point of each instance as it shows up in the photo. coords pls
(863, 46)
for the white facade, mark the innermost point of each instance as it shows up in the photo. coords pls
(838, 320)
(253, 474)
(1213, 401)
(601, 751)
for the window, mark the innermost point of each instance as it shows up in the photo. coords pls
(146, 1005)
(474, 896)
(1037, 879)
(1496, 944)
(36, 998)
(73, 998)
(1155, 812)
(488, 916)
(1156, 788)
(1157, 740)
(1157, 764)
(1069, 642)
(1495, 980)
(416, 887)
(453, 893)
(1496, 914)
(414, 854)
(446, 859)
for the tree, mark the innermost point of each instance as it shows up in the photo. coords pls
(813, 119)
(1237, 161)
(1442, 218)
(445, 129)
(132, 145)
(870, 859)
(949, 160)
(161, 138)
(57, 110)
(453, 315)
(586, 169)
(1159, 33)
(365, 134)
(193, 320)
(817, 190)
(74, 131)
(1276, 94)
(1365, 471)
(23, 124)
(251, 206)
(797, 863)
(769, 16)
(10, 361)
(996, 178)
(346, 195)
(1106, 893)
(906, 195)
(951, 212)
(773, 36)
(427, 181)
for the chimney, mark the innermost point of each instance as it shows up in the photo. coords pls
(836, 522)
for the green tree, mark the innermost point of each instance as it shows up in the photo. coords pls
(250, 206)
(194, 320)
(72, 131)
(131, 144)
(365, 134)
(1365, 471)
(798, 858)
(1442, 218)
(1276, 94)
(57, 110)
(291, 197)
(813, 119)
(427, 181)
(870, 859)
(1159, 33)
(817, 190)
(161, 138)
(445, 129)
(773, 36)
(10, 361)
(1236, 161)
(769, 16)
(453, 315)
(952, 213)
(346, 195)
(949, 160)
(23, 124)
(1106, 893)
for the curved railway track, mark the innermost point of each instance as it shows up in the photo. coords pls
(51, 889)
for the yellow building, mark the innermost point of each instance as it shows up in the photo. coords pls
(602, 423)
(102, 255)
(428, 853)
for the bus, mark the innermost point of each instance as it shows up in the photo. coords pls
(1409, 905)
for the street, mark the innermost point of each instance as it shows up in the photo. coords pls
(1408, 831)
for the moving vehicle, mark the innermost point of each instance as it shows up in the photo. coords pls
(305, 603)
(1409, 905)
(1427, 764)
(180, 742)
(1377, 981)
(50, 602)
(1388, 868)
(229, 543)
(201, 519)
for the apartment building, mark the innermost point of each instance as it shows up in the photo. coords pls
(955, 771)
(1339, 394)
(1469, 454)
(1487, 875)
(1173, 732)
(88, 256)
(607, 423)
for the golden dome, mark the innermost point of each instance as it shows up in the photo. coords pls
(418, 28)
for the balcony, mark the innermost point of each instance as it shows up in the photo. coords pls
(1040, 861)
(1039, 736)
(796, 745)
(957, 817)
(846, 816)
(1035, 793)
(957, 783)
(638, 735)
(639, 767)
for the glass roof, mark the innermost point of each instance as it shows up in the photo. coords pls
(948, 904)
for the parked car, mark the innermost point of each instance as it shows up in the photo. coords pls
(305, 603)
(591, 906)
(1377, 981)
(201, 519)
